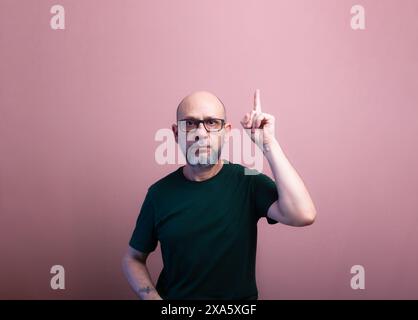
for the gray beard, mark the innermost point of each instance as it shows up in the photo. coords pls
(203, 160)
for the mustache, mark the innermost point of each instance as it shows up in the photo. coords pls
(201, 144)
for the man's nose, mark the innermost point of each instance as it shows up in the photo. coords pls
(201, 131)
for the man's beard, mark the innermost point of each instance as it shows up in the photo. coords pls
(204, 159)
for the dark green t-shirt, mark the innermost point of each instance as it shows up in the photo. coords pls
(207, 232)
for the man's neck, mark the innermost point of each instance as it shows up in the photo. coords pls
(202, 173)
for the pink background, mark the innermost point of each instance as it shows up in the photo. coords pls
(79, 109)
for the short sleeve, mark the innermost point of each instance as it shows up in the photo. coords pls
(144, 237)
(264, 195)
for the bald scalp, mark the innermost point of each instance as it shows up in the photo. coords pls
(194, 98)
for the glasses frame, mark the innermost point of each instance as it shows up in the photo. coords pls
(198, 122)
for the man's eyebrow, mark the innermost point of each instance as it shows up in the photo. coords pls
(187, 118)
(193, 118)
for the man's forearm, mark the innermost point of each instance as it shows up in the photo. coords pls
(140, 280)
(294, 201)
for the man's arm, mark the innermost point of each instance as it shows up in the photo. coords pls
(294, 207)
(135, 269)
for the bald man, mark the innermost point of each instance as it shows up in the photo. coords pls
(205, 213)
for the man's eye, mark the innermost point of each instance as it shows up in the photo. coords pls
(211, 122)
(189, 122)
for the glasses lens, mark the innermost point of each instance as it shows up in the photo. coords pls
(187, 125)
(190, 125)
(213, 124)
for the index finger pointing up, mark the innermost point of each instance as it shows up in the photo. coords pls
(257, 103)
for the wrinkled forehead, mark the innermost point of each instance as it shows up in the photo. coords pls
(201, 108)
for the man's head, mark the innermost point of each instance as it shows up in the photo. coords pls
(201, 143)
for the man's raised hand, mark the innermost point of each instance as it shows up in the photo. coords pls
(259, 125)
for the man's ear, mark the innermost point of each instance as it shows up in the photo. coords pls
(227, 128)
(175, 129)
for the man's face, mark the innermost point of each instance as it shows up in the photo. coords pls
(201, 143)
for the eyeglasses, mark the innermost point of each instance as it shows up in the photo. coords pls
(210, 124)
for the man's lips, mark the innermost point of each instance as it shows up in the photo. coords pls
(203, 149)
(202, 146)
